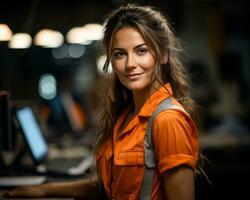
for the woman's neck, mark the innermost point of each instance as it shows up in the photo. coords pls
(139, 99)
(141, 96)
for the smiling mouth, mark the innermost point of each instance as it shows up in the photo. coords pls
(133, 75)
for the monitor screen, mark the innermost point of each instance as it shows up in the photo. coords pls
(32, 133)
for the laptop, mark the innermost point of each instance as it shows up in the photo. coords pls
(39, 149)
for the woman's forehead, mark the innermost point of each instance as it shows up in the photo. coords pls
(127, 36)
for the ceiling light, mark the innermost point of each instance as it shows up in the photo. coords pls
(20, 41)
(48, 38)
(5, 32)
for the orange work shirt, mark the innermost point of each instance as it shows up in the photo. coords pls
(121, 159)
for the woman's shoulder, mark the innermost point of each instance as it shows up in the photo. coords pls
(174, 113)
(170, 116)
(173, 119)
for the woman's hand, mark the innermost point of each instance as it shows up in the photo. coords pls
(82, 189)
(28, 191)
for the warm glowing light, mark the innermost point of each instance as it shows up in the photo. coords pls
(86, 34)
(78, 35)
(20, 41)
(95, 31)
(48, 38)
(5, 32)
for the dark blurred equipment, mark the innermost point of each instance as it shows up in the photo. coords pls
(39, 149)
(6, 138)
(203, 88)
(67, 114)
(57, 116)
(230, 66)
(74, 113)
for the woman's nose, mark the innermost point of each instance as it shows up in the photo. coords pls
(131, 61)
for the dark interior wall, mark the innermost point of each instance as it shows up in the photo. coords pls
(30, 16)
(33, 15)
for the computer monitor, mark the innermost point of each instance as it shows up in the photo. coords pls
(74, 113)
(67, 114)
(32, 133)
(6, 136)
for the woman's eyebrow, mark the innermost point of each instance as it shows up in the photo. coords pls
(121, 49)
(117, 49)
(139, 45)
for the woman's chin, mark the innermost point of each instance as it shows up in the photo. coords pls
(137, 87)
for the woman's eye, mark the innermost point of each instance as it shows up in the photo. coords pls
(119, 54)
(142, 51)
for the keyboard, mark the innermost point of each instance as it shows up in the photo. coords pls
(66, 166)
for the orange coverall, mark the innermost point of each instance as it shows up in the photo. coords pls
(120, 161)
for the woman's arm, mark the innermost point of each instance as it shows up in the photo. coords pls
(77, 189)
(179, 183)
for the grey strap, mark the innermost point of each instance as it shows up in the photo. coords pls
(149, 158)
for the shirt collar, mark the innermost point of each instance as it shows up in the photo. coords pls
(146, 110)
(153, 101)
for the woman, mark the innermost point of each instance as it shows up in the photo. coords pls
(143, 51)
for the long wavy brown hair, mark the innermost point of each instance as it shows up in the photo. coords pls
(158, 34)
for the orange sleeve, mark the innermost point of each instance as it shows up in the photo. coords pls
(175, 139)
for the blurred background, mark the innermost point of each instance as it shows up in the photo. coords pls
(50, 59)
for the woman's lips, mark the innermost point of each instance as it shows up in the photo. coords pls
(133, 76)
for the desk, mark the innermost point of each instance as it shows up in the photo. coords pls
(3, 189)
(54, 198)
(48, 179)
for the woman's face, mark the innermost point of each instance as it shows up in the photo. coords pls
(132, 60)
